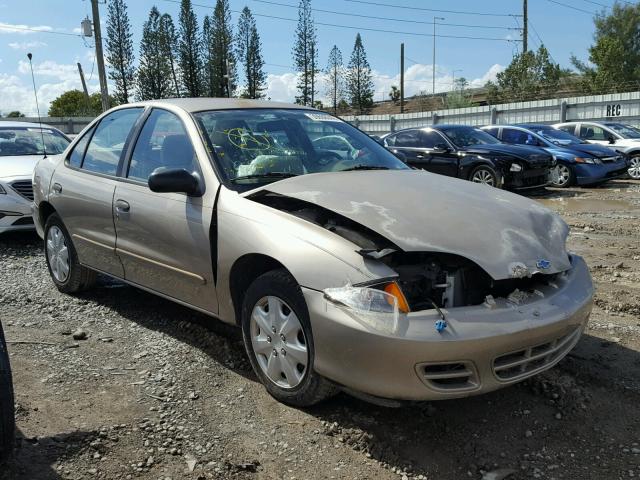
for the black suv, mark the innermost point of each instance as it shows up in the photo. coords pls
(469, 153)
(7, 419)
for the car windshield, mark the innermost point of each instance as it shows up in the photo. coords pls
(468, 136)
(21, 141)
(625, 131)
(556, 136)
(255, 146)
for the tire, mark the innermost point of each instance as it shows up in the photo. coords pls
(7, 414)
(564, 177)
(634, 167)
(484, 175)
(76, 277)
(296, 388)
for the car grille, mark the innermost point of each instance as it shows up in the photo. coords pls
(24, 188)
(526, 362)
(609, 159)
(458, 376)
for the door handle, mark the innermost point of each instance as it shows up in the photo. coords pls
(57, 188)
(122, 206)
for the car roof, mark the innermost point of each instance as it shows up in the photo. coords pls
(206, 103)
(12, 124)
(531, 125)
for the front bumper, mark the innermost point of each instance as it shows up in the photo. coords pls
(528, 179)
(15, 209)
(475, 354)
(587, 174)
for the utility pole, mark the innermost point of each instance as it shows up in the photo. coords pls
(434, 54)
(84, 84)
(104, 92)
(525, 27)
(402, 78)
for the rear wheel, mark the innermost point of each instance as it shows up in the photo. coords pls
(66, 272)
(484, 175)
(564, 176)
(634, 167)
(7, 414)
(278, 339)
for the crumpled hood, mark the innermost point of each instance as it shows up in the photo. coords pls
(18, 166)
(530, 154)
(421, 211)
(591, 149)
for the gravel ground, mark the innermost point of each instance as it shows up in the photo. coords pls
(118, 384)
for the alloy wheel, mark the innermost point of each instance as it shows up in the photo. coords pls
(279, 343)
(484, 177)
(634, 168)
(562, 176)
(58, 254)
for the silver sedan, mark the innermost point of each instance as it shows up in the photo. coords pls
(347, 272)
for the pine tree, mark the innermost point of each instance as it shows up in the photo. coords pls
(169, 42)
(190, 50)
(305, 53)
(119, 46)
(249, 52)
(359, 82)
(154, 70)
(335, 78)
(222, 45)
(208, 74)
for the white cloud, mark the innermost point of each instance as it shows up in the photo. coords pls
(23, 29)
(418, 78)
(26, 45)
(49, 68)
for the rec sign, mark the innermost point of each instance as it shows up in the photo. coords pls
(613, 110)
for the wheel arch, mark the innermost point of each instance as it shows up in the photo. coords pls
(45, 210)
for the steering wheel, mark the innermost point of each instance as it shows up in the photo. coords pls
(326, 159)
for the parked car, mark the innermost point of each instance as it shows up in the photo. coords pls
(360, 274)
(471, 154)
(578, 162)
(619, 136)
(7, 414)
(21, 146)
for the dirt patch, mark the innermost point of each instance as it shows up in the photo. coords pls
(119, 384)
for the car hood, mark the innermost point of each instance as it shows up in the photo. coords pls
(530, 154)
(591, 149)
(503, 233)
(18, 166)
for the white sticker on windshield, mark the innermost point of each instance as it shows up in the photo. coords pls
(322, 117)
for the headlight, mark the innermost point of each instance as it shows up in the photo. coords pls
(383, 298)
(515, 167)
(587, 160)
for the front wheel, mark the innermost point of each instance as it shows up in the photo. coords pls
(484, 175)
(563, 176)
(634, 167)
(7, 415)
(277, 337)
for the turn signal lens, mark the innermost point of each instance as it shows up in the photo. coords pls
(393, 289)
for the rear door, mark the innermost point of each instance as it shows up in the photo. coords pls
(163, 239)
(82, 189)
(409, 144)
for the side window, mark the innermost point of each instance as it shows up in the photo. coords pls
(163, 143)
(518, 137)
(410, 138)
(492, 131)
(390, 141)
(430, 139)
(591, 132)
(77, 154)
(568, 128)
(105, 148)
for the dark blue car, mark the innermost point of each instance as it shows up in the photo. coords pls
(579, 163)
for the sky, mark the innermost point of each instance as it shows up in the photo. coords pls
(564, 26)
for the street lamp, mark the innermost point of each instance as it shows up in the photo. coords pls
(434, 53)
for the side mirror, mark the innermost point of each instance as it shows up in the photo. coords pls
(174, 180)
(441, 148)
(611, 139)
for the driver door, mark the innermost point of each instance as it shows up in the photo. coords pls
(163, 238)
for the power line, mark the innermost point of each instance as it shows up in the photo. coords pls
(349, 14)
(351, 27)
(434, 10)
(11, 27)
(596, 3)
(571, 7)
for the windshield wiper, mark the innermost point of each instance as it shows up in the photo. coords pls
(265, 175)
(365, 167)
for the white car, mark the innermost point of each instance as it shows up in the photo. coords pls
(21, 147)
(619, 136)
